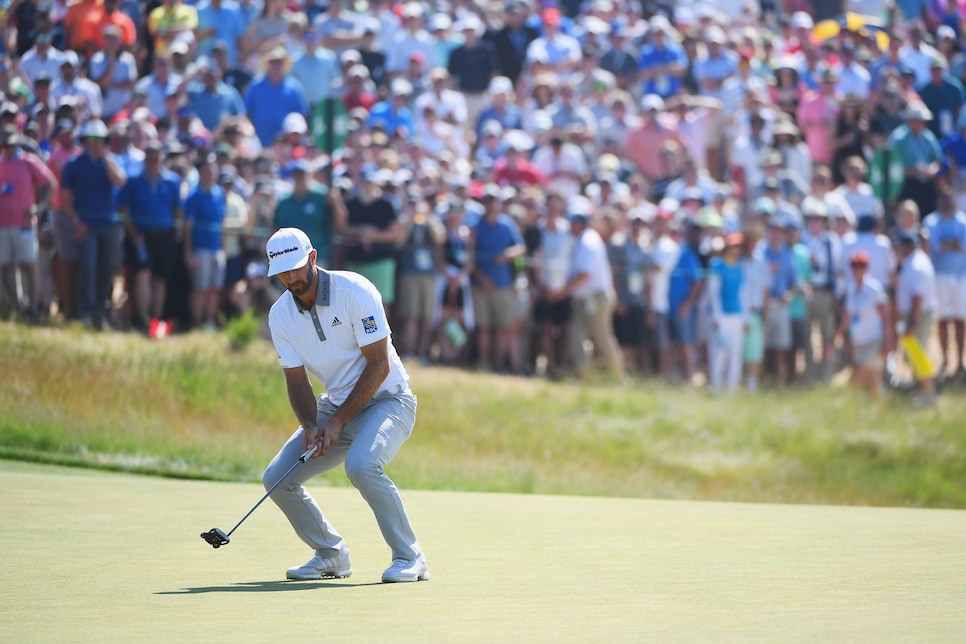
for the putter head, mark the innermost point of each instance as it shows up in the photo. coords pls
(215, 537)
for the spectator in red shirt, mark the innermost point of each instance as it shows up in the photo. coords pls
(357, 92)
(514, 169)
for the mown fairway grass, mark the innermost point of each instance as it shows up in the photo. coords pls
(190, 407)
(94, 556)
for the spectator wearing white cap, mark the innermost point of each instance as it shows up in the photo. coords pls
(71, 83)
(563, 164)
(501, 106)
(473, 65)
(590, 287)
(918, 149)
(451, 105)
(88, 185)
(393, 114)
(642, 143)
(412, 38)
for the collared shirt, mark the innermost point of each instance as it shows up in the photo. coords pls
(318, 71)
(781, 266)
(492, 239)
(152, 203)
(267, 105)
(555, 254)
(33, 65)
(20, 180)
(590, 259)
(943, 230)
(915, 149)
(664, 85)
(717, 68)
(309, 213)
(94, 195)
(214, 107)
(125, 70)
(757, 281)
(327, 340)
(664, 257)
(916, 277)
(814, 110)
(882, 259)
(826, 255)
(206, 211)
(726, 283)
(229, 25)
(156, 92)
(862, 306)
(554, 51)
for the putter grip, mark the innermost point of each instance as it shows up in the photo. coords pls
(308, 453)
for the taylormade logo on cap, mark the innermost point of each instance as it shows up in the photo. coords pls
(287, 250)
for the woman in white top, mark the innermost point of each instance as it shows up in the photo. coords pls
(866, 319)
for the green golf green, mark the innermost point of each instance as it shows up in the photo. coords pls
(99, 556)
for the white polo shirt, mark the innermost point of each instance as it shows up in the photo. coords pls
(590, 258)
(916, 277)
(326, 340)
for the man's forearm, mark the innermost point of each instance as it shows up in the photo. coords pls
(302, 399)
(366, 387)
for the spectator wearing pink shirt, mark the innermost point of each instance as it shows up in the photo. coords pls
(642, 143)
(817, 115)
(25, 182)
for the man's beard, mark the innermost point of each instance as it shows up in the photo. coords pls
(298, 289)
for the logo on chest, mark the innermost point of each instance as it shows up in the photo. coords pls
(369, 324)
(336, 322)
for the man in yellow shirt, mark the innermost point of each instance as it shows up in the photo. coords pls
(169, 21)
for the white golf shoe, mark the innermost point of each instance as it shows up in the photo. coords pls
(403, 570)
(319, 567)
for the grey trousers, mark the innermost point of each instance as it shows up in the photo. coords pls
(368, 443)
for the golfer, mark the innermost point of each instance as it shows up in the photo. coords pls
(332, 324)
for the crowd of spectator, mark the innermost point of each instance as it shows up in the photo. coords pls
(737, 189)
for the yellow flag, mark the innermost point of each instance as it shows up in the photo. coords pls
(921, 365)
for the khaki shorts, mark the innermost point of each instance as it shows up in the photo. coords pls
(778, 326)
(494, 310)
(868, 354)
(417, 295)
(211, 270)
(18, 245)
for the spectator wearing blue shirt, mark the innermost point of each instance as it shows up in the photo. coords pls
(317, 69)
(944, 96)
(87, 186)
(273, 96)
(662, 64)
(725, 348)
(714, 68)
(220, 20)
(204, 213)
(781, 290)
(501, 108)
(212, 100)
(497, 244)
(393, 114)
(150, 205)
(947, 250)
(684, 291)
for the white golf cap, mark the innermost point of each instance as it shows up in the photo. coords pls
(287, 250)
(802, 20)
(294, 123)
(93, 129)
(652, 102)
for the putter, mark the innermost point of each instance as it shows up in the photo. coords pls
(217, 538)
